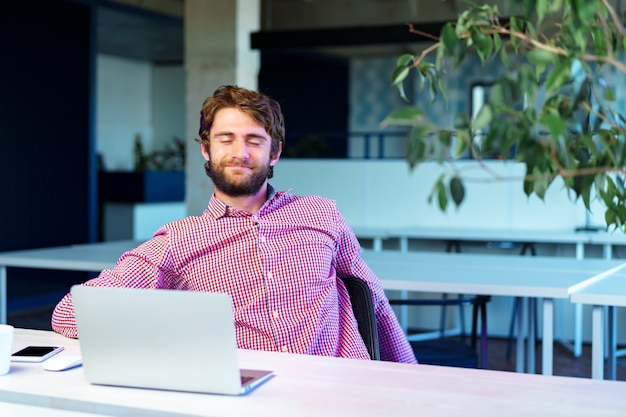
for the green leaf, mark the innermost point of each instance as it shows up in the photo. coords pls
(457, 190)
(610, 216)
(558, 77)
(517, 25)
(529, 186)
(483, 118)
(448, 38)
(504, 57)
(442, 88)
(609, 94)
(542, 9)
(600, 47)
(462, 142)
(445, 138)
(541, 56)
(459, 52)
(529, 7)
(402, 92)
(461, 121)
(554, 123)
(417, 150)
(404, 116)
(541, 59)
(555, 5)
(442, 196)
(399, 75)
(439, 58)
(619, 186)
(404, 60)
(541, 186)
(483, 43)
(497, 43)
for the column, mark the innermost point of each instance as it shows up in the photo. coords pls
(217, 52)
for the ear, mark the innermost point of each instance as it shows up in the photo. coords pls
(205, 151)
(276, 157)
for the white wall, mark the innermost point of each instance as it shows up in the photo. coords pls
(136, 97)
(387, 193)
(123, 109)
(168, 104)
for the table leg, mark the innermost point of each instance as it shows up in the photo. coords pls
(612, 342)
(597, 342)
(3, 294)
(578, 330)
(530, 366)
(578, 311)
(547, 345)
(404, 312)
(520, 354)
(404, 244)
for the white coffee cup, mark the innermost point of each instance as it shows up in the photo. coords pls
(6, 346)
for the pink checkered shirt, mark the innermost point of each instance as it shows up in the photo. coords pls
(280, 266)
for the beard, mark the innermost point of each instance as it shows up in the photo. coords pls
(237, 186)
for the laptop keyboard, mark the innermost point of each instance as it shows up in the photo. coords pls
(246, 379)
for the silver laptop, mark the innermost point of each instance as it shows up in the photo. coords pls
(160, 339)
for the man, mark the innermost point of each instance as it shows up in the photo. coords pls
(278, 255)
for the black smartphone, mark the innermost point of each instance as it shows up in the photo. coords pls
(35, 353)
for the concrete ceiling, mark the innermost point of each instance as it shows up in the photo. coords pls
(134, 32)
(140, 34)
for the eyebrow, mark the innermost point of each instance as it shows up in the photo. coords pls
(247, 135)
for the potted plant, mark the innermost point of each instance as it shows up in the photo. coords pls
(551, 110)
(158, 176)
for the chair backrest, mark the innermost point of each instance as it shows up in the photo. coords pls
(363, 309)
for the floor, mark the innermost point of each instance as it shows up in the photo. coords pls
(565, 364)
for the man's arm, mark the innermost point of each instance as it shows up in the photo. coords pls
(392, 341)
(141, 267)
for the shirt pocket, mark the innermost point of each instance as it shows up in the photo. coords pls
(311, 260)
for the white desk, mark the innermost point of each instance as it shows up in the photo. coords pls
(404, 234)
(608, 240)
(608, 292)
(533, 277)
(319, 386)
(24, 410)
(527, 277)
(68, 258)
(578, 239)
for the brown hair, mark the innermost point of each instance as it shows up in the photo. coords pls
(263, 109)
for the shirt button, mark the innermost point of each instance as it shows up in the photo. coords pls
(284, 349)
(270, 275)
(262, 239)
(276, 314)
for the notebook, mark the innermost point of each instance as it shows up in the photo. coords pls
(160, 339)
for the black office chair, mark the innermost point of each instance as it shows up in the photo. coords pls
(448, 352)
(363, 309)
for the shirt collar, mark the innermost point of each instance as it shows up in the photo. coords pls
(218, 208)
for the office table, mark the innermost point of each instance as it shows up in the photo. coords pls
(578, 239)
(24, 410)
(532, 277)
(526, 277)
(68, 258)
(306, 385)
(609, 292)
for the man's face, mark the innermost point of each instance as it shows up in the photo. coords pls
(239, 154)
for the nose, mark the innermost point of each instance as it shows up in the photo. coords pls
(240, 150)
